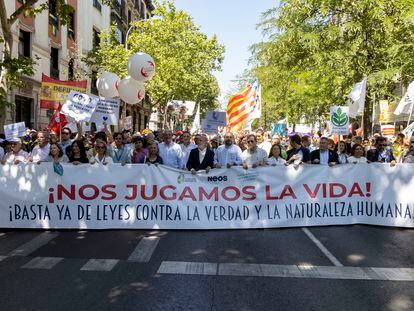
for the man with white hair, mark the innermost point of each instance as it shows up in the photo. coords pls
(40, 152)
(171, 152)
(16, 155)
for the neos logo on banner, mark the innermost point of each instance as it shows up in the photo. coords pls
(339, 120)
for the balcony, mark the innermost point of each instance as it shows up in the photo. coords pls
(117, 8)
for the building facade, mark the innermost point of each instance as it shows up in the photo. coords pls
(57, 50)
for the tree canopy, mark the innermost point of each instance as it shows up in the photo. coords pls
(185, 58)
(318, 49)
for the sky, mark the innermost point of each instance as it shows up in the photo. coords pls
(234, 22)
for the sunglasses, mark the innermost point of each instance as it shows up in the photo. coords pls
(100, 147)
(65, 133)
(250, 141)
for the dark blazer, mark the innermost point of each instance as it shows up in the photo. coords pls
(305, 152)
(373, 156)
(333, 156)
(194, 160)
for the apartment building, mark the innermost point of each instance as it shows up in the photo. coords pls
(57, 50)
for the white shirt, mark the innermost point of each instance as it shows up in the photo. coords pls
(105, 159)
(323, 157)
(40, 154)
(275, 162)
(186, 151)
(201, 154)
(172, 155)
(259, 156)
(22, 156)
(352, 159)
(225, 155)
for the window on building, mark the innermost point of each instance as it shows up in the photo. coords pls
(53, 19)
(71, 25)
(146, 121)
(94, 89)
(97, 5)
(24, 110)
(96, 40)
(71, 69)
(139, 121)
(24, 44)
(54, 63)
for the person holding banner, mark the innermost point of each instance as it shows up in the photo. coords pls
(138, 153)
(382, 152)
(201, 158)
(186, 145)
(101, 157)
(119, 153)
(357, 154)
(229, 154)
(16, 155)
(171, 152)
(77, 153)
(324, 155)
(297, 154)
(275, 156)
(56, 154)
(153, 155)
(41, 151)
(253, 156)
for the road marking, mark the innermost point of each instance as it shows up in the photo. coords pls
(100, 265)
(176, 267)
(323, 249)
(287, 271)
(42, 263)
(32, 245)
(144, 249)
(2, 258)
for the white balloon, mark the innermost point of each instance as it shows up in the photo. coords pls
(141, 66)
(107, 84)
(131, 91)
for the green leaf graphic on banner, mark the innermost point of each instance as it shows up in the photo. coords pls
(339, 118)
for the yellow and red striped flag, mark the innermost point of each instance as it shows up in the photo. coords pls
(242, 105)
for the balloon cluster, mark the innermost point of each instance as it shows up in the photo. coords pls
(131, 89)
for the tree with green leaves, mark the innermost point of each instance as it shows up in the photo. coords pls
(317, 51)
(184, 56)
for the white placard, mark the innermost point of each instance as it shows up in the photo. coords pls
(107, 110)
(207, 127)
(216, 117)
(339, 120)
(15, 130)
(79, 106)
(128, 123)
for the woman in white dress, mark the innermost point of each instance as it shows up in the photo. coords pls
(275, 156)
(358, 155)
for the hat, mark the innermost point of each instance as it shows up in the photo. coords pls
(178, 133)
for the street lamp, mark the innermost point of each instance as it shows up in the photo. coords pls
(134, 25)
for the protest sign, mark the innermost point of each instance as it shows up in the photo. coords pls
(207, 127)
(14, 130)
(79, 106)
(128, 123)
(339, 118)
(165, 198)
(107, 110)
(217, 118)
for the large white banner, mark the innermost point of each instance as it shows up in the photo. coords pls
(150, 197)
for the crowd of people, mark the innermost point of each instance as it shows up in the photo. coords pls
(181, 150)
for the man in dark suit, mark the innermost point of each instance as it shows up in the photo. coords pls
(297, 154)
(323, 155)
(201, 158)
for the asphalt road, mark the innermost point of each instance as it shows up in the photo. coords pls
(320, 268)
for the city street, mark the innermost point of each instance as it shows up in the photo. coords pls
(320, 268)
